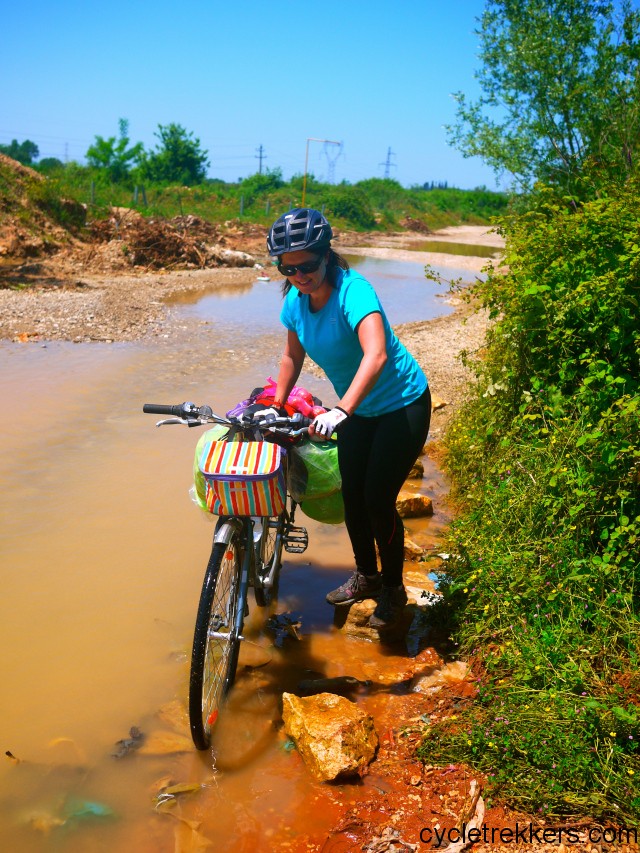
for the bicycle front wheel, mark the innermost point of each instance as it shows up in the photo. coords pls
(216, 640)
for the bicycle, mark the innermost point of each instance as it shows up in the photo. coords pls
(246, 551)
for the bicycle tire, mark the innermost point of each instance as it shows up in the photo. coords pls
(269, 549)
(214, 658)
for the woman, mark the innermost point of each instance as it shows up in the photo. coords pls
(384, 407)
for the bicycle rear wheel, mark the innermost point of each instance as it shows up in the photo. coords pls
(269, 553)
(216, 640)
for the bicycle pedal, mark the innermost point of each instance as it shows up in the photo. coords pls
(296, 540)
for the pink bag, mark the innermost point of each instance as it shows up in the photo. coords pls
(299, 399)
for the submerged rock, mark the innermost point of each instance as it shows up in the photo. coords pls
(342, 685)
(333, 736)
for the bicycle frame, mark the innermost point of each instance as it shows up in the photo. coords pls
(245, 528)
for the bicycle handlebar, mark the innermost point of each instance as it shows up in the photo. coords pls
(157, 409)
(192, 415)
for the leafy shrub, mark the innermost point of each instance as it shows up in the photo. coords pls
(261, 184)
(350, 204)
(546, 459)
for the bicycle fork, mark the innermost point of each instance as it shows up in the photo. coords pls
(226, 529)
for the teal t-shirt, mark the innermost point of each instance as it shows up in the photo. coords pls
(330, 338)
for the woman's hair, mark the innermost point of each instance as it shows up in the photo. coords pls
(334, 263)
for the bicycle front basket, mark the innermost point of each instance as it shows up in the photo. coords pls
(244, 477)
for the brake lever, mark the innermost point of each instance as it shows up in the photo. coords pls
(293, 432)
(170, 421)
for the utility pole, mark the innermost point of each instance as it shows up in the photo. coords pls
(306, 161)
(387, 163)
(260, 156)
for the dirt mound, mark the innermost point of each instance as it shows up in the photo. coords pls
(44, 236)
(34, 220)
(415, 225)
(19, 168)
(184, 242)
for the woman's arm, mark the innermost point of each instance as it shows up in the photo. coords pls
(374, 347)
(290, 366)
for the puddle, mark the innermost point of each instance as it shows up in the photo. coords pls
(402, 287)
(102, 556)
(447, 248)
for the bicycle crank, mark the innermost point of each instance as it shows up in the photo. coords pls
(296, 540)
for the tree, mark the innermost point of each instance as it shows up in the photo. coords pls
(115, 155)
(50, 164)
(178, 159)
(560, 83)
(24, 152)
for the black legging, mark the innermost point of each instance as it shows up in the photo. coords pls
(375, 456)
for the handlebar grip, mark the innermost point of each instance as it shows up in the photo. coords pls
(157, 409)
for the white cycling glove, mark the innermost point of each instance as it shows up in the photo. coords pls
(326, 424)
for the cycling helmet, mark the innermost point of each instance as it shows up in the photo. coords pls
(299, 229)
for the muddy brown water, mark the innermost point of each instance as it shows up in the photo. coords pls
(102, 556)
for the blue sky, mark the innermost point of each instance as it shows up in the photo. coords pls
(373, 75)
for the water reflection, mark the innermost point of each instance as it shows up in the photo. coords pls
(449, 248)
(402, 287)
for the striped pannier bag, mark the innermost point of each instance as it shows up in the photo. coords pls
(244, 477)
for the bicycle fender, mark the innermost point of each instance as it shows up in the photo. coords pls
(226, 529)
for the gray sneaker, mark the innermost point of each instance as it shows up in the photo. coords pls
(391, 603)
(357, 588)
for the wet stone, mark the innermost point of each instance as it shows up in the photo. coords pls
(354, 621)
(411, 550)
(433, 678)
(411, 505)
(333, 736)
(417, 470)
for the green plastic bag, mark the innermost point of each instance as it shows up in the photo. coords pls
(328, 509)
(199, 492)
(315, 481)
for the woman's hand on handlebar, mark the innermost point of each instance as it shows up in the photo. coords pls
(326, 424)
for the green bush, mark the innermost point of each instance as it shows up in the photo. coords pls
(545, 582)
(351, 205)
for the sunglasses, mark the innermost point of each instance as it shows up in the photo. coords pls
(307, 267)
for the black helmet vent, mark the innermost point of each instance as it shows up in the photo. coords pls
(299, 229)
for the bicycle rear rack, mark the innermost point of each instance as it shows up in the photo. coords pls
(296, 540)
